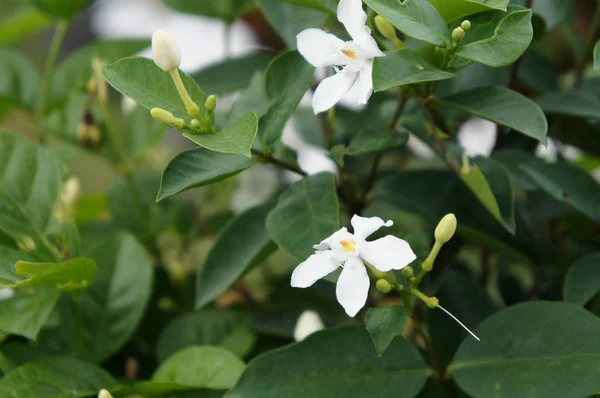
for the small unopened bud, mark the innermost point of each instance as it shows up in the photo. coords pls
(167, 117)
(408, 272)
(446, 228)
(466, 25)
(433, 302)
(166, 52)
(88, 134)
(211, 103)
(104, 394)
(383, 286)
(385, 28)
(458, 34)
(195, 123)
(101, 86)
(70, 191)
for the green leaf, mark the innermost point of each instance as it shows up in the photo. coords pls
(451, 10)
(328, 6)
(56, 377)
(113, 306)
(583, 280)
(403, 67)
(384, 324)
(231, 75)
(141, 132)
(22, 23)
(510, 40)
(151, 87)
(287, 78)
(197, 167)
(70, 275)
(200, 367)
(568, 184)
(207, 327)
(415, 18)
(307, 213)
(368, 141)
(25, 313)
(20, 82)
(236, 139)
(570, 103)
(288, 19)
(227, 10)
(536, 349)
(502, 106)
(76, 70)
(335, 363)
(60, 9)
(8, 258)
(244, 242)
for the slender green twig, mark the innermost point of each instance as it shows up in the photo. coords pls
(278, 162)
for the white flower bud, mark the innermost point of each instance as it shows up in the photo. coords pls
(167, 54)
(104, 394)
(308, 323)
(446, 228)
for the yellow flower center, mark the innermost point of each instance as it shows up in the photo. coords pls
(350, 54)
(348, 245)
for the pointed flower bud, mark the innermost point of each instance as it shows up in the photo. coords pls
(167, 54)
(385, 27)
(383, 286)
(167, 117)
(104, 394)
(211, 103)
(458, 34)
(446, 228)
(466, 25)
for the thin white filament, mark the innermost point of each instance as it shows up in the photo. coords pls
(459, 322)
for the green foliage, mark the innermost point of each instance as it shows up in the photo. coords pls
(384, 324)
(60, 9)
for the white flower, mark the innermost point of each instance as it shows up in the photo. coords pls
(6, 293)
(308, 323)
(350, 250)
(104, 394)
(165, 51)
(321, 49)
(477, 137)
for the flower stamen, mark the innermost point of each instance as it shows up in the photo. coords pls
(350, 54)
(348, 245)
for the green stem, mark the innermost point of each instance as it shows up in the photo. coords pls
(55, 46)
(277, 162)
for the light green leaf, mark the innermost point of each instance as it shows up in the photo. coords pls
(384, 324)
(197, 167)
(8, 258)
(57, 377)
(568, 184)
(288, 19)
(502, 106)
(536, 349)
(70, 275)
(200, 367)
(236, 139)
(583, 280)
(451, 10)
(141, 132)
(25, 313)
(151, 87)
(570, 103)
(227, 10)
(307, 213)
(510, 40)
(403, 67)
(335, 363)
(20, 82)
(22, 23)
(287, 79)
(415, 18)
(207, 327)
(60, 9)
(242, 243)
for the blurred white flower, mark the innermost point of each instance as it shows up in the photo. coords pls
(104, 394)
(254, 187)
(420, 148)
(6, 293)
(550, 152)
(477, 137)
(308, 323)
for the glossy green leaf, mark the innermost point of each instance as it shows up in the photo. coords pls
(502, 106)
(384, 324)
(197, 167)
(244, 242)
(451, 10)
(335, 363)
(57, 377)
(403, 67)
(151, 87)
(22, 23)
(61, 9)
(415, 18)
(26, 312)
(510, 40)
(227, 10)
(72, 275)
(570, 103)
(583, 280)
(329, 6)
(369, 141)
(236, 139)
(307, 213)
(287, 79)
(207, 327)
(568, 184)
(289, 19)
(536, 349)
(200, 367)
(20, 81)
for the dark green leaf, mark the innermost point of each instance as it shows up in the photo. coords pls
(368, 141)
(25, 313)
(288, 20)
(22, 23)
(227, 10)
(60, 9)
(583, 280)
(570, 103)
(20, 81)
(329, 6)
(597, 55)
(452, 10)
(384, 324)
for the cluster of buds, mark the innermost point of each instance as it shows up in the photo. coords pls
(167, 56)
(459, 33)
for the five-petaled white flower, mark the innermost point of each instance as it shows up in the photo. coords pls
(353, 60)
(349, 251)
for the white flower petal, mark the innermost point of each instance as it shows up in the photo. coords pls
(352, 286)
(332, 89)
(363, 87)
(477, 137)
(166, 52)
(354, 18)
(326, 243)
(314, 268)
(365, 226)
(313, 160)
(387, 253)
(320, 48)
(308, 323)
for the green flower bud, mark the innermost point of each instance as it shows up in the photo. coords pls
(433, 302)
(446, 228)
(167, 117)
(458, 34)
(466, 25)
(195, 123)
(385, 28)
(383, 286)
(408, 272)
(211, 103)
